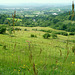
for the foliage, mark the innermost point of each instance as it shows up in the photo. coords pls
(32, 35)
(60, 22)
(10, 29)
(4, 47)
(71, 33)
(55, 21)
(54, 36)
(25, 29)
(34, 29)
(18, 29)
(2, 29)
(3, 18)
(46, 35)
(62, 33)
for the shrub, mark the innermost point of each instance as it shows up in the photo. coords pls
(2, 29)
(54, 36)
(18, 29)
(4, 47)
(46, 35)
(34, 29)
(32, 35)
(65, 33)
(62, 33)
(42, 30)
(35, 36)
(10, 29)
(72, 33)
(49, 31)
(25, 29)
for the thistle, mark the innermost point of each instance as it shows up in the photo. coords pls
(13, 20)
(34, 69)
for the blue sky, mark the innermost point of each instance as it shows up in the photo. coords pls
(34, 1)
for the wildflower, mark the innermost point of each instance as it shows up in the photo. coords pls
(72, 62)
(14, 69)
(23, 65)
(57, 64)
(35, 64)
(19, 70)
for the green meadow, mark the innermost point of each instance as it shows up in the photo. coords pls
(15, 19)
(21, 54)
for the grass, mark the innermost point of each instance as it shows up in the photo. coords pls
(68, 21)
(43, 53)
(15, 19)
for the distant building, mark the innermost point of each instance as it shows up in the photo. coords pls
(54, 14)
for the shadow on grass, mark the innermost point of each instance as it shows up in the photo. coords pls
(0, 45)
(12, 36)
(9, 35)
(5, 34)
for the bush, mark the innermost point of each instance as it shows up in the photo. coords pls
(54, 36)
(2, 29)
(72, 33)
(46, 35)
(25, 29)
(32, 35)
(10, 29)
(18, 29)
(62, 33)
(34, 29)
(4, 47)
(65, 33)
(49, 31)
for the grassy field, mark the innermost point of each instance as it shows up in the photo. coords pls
(26, 55)
(15, 19)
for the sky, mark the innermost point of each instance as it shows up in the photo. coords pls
(34, 1)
